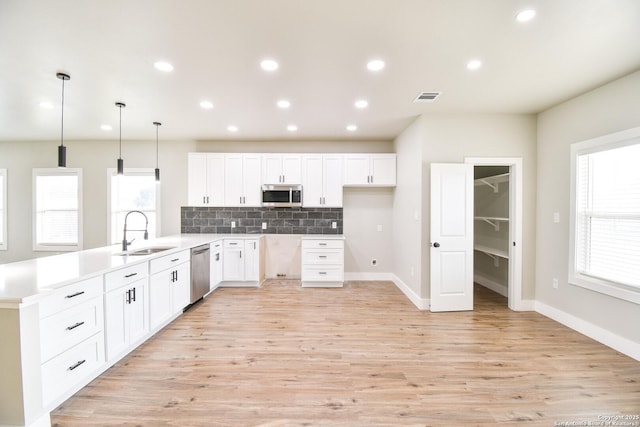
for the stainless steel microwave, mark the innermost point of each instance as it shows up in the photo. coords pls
(281, 195)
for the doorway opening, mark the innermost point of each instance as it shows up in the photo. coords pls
(498, 226)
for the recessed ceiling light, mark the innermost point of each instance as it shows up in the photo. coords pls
(207, 105)
(283, 103)
(106, 127)
(525, 15)
(292, 128)
(163, 66)
(352, 128)
(361, 103)
(232, 128)
(474, 64)
(375, 65)
(47, 105)
(269, 65)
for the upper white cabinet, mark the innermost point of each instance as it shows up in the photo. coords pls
(281, 169)
(374, 170)
(322, 180)
(242, 183)
(206, 177)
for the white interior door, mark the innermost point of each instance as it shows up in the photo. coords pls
(451, 237)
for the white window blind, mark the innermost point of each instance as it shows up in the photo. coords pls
(3, 209)
(57, 216)
(135, 190)
(608, 215)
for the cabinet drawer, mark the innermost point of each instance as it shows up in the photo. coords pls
(124, 276)
(217, 245)
(71, 295)
(233, 243)
(71, 368)
(329, 244)
(322, 256)
(168, 261)
(329, 273)
(65, 329)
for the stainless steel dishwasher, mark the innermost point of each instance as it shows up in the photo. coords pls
(200, 262)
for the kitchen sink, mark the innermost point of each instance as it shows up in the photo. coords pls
(146, 251)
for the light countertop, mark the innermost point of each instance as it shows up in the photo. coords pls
(27, 281)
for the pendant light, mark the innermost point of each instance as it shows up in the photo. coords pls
(62, 150)
(157, 124)
(120, 105)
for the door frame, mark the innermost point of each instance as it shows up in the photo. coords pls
(515, 223)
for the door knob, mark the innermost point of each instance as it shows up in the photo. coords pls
(436, 245)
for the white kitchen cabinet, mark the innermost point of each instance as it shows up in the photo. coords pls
(126, 309)
(71, 338)
(322, 180)
(217, 267)
(243, 262)
(372, 170)
(242, 180)
(169, 287)
(281, 169)
(322, 262)
(206, 179)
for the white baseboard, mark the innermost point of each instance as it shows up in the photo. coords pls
(419, 302)
(496, 287)
(366, 276)
(616, 342)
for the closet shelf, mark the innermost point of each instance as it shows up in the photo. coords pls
(494, 221)
(492, 252)
(492, 181)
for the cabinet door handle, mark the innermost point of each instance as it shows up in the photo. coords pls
(254, 245)
(207, 199)
(204, 200)
(75, 295)
(133, 292)
(130, 275)
(72, 327)
(129, 296)
(74, 366)
(240, 254)
(176, 275)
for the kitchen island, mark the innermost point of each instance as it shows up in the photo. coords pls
(64, 319)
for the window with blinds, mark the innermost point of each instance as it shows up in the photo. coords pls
(135, 190)
(606, 226)
(57, 210)
(3, 209)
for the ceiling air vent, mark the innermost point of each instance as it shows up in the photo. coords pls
(427, 96)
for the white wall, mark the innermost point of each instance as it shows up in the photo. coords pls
(407, 207)
(610, 108)
(449, 138)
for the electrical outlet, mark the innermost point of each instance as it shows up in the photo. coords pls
(374, 262)
(379, 227)
(334, 224)
(233, 224)
(555, 283)
(556, 217)
(412, 272)
(264, 225)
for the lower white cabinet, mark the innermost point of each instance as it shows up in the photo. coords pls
(242, 262)
(169, 287)
(217, 267)
(322, 262)
(126, 309)
(71, 338)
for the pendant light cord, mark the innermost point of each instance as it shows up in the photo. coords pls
(120, 107)
(62, 120)
(157, 145)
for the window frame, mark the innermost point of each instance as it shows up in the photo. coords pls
(607, 287)
(3, 211)
(111, 172)
(37, 246)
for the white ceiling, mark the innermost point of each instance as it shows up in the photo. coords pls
(109, 47)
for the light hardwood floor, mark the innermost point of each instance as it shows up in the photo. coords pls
(361, 355)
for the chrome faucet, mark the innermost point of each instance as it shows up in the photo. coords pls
(125, 244)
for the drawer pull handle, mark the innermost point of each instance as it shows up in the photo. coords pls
(72, 327)
(175, 259)
(322, 273)
(75, 295)
(130, 275)
(322, 244)
(232, 243)
(80, 362)
(322, 256)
